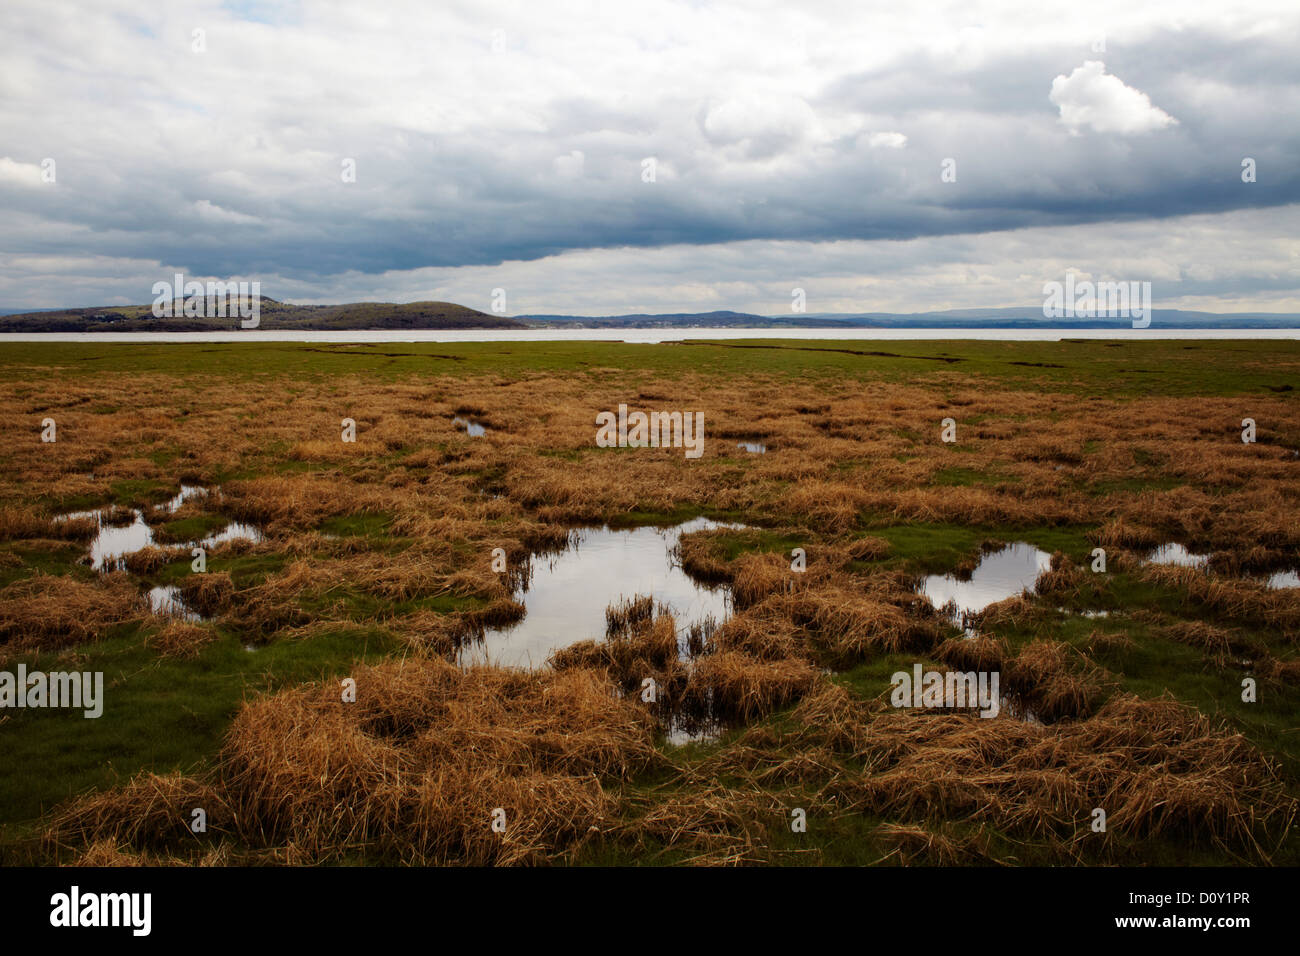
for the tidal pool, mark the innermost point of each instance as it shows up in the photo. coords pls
(999, 575)
(166, 601)
(1284, 579)
(473, 429)
(1175, 553)
(566, 593)
(112, 543)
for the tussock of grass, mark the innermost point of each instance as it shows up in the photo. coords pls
(150, 560)
(209, 593)
(47, 612)
(150, 812)
(415, 768)
(1232, 597)
(978, 653)
(1055, 680)
(914, 844)
(177, 638)
(1155, 766)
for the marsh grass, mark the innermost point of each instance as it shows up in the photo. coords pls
(380, 551)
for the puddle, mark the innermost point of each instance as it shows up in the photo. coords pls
(112, 543)
(1174, 553)
(753, 447)
(566, 593)
(999, 575)
(474, 429)
(186, 493)
(681, 730)
(166, 601)
(231, 532)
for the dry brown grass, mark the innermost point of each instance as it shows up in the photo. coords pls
(209, 593)
(697, 552)
(150, 812)
(48, 612)
(712, 686)
(1242, 600)
(1064, 577)
(1154, 766)
(714, 825)
(846, 625)
(150, 560)
(415, 768)
(412, 771)
(979, 653)
(17, 524)
(177, 638)
(756, 577)
(632, 652)
(1055, 681)
(761, 632)
(913, 845)
(735, 687)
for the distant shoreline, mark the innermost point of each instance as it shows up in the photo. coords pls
(653, 335)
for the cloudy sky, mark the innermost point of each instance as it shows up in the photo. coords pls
(663, 155)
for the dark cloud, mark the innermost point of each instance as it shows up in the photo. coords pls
(228, 162)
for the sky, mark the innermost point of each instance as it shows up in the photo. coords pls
(658, 156)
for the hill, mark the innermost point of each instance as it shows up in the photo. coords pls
(353, 316)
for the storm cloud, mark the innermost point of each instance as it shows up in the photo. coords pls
(592, 158)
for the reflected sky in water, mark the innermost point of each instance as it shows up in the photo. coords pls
(1175, 553)
(568, 592)
(112, 543)
(473, 429)
(999, 575)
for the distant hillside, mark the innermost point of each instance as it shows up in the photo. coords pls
(362, 316)
(353, 316)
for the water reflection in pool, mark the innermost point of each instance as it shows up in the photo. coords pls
(999, 575)
(112, 543)
(567, 593)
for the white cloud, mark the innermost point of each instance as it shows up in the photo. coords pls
(888, 140)
(571, 166)
(209, 211)
(20, 174)
(759, 125)
(1093, 98)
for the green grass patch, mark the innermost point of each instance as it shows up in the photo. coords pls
(934, 548)
(159, 714)
(365, 525)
